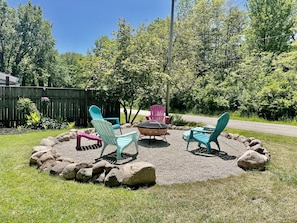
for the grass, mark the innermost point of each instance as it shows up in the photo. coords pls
(30, 195)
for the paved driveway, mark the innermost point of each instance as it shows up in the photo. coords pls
(278, 129)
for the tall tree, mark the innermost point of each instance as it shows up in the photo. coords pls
(26, 43)
(105, 47)
(271, 23)
(68, 71)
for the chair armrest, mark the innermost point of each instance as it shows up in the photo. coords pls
(209, 128)
(117, 120)
(197, 129)
(127, 134)
(201, 130)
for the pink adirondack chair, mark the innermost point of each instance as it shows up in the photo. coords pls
(157, 112)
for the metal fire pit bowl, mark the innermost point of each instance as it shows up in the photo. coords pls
(152, 128)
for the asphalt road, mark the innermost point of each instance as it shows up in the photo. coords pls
(277, 129)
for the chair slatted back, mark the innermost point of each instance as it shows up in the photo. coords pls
(220, 126)
(157, 112)
(95, 112)
(105, 131)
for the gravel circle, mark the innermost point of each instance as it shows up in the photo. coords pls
(169, 156)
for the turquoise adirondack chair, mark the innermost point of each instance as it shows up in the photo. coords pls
(96, 114)
(206, 137)
(108, 136)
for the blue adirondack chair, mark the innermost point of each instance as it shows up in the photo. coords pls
(96, 114)
(206, 137)
(108, 136)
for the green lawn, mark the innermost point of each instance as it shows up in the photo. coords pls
(30, 195)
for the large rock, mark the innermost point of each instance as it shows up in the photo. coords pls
(99, 178)
(140, 173)
(113, 178)
(58, 167)
(69, 172)
(41, 148)
(36, 156)
(252, 160)
(48, 142)
(84, 174)
(99, 167)
(45, 157)
(47, 165)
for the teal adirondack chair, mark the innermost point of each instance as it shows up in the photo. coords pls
(96, 114)
(206, 137)
(108, 136)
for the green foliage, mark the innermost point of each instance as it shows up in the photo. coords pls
(177, 119)
(271, 24)
(223, 58)
(26, 106)
(36, 121)
(49, 123)
(33, 120)
(26, 44)
(69, 69)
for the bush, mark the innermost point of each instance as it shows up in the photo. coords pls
(26, 106)
(177, 120)
(35, 120)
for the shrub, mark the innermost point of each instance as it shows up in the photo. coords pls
(26, 106)
(35, 120)
(177, 120)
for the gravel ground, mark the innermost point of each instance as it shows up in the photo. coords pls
(172, 162)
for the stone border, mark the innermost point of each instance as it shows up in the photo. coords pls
(130, 175)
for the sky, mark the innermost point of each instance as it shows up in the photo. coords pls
(76, 24)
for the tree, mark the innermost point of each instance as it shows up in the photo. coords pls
(271, 23)
(27, 45)
(105, 47)
(69, 71)
(206, 49)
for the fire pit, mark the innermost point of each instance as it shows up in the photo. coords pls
(152, 128)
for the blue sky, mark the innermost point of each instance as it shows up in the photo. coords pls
(77, 24)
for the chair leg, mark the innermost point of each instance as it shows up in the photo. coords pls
(104, 146)
(208, 148)
(119, 151)
(218, 145)
(78, 140)
(188, 144)
(136, 145)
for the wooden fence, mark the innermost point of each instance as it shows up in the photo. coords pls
(66, 104)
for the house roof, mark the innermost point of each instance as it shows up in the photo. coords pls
(12, 79)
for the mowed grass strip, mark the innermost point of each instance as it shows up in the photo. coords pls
(30, 195)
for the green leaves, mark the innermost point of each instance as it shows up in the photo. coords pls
(271, 24)
(26, 43)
